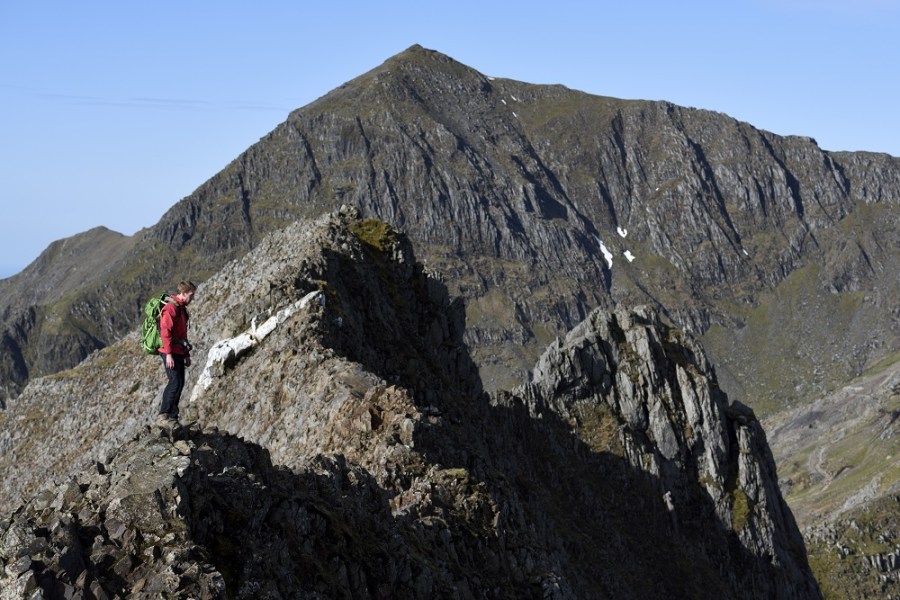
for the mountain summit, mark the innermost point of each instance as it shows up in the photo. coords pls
(540, 203)
(346, 447)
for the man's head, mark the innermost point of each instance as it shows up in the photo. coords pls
(186, 291)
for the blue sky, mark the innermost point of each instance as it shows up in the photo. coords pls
(111, 112)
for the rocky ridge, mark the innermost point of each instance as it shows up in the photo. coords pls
(353, 451)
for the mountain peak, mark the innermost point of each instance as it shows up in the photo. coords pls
(421, 55)
(493, 179)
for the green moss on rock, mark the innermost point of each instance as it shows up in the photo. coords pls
(375, 234)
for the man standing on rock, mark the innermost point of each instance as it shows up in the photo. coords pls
(175, 351)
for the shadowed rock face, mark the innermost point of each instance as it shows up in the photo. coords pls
(513, 191)
(629, 385)
(353, 452)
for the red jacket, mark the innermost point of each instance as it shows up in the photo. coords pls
(173, 327)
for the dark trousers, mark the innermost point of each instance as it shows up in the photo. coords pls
(172, 393)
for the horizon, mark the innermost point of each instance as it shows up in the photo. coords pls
(113, 114)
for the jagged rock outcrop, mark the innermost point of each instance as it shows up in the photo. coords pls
(628, 384)
(513, 191)
(353, 452)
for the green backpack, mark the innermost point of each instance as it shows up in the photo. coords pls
(151, 342)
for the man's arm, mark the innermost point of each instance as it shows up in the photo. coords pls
(166, 324)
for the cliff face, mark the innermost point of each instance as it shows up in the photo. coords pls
(346, 447)
(627, 384)
(533, 201)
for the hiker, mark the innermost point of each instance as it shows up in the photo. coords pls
(175, 350)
